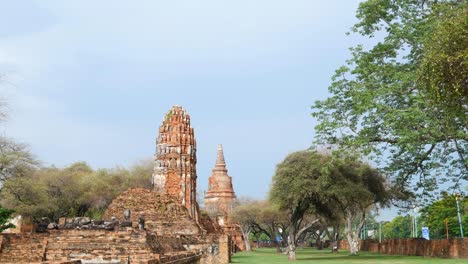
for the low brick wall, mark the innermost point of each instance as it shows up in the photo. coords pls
(64, 246)
(451, 248)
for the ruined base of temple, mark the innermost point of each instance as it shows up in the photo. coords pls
(169, 235)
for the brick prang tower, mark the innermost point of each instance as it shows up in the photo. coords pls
(175, 172)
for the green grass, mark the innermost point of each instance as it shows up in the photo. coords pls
(308, 255)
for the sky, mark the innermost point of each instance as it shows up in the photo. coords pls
(91, 80)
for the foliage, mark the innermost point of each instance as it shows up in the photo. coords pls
(76, 190)
(245, 214)
(399, 227)
(270, 219)
(354, 188)
(5, 216)
(260, 220)
(380, 101)
(444, 67)
(295, 190)
(435, 214)
(336, 187)
(15, 159)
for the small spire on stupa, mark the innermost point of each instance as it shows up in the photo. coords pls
(220, 156)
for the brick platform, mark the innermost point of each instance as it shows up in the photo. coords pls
(66, 246)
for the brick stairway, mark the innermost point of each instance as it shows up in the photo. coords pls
(22, 248)
(109, 245)
(70, 246)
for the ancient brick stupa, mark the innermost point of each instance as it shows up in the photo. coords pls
(219, 200)
(220, 196)
(175, 160)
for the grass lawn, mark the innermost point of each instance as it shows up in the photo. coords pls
(308, 255)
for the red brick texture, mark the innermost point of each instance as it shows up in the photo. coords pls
(175, 170)
(64, 246)
(452, 248)
(162, 213)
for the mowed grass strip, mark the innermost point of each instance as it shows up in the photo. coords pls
(309, 255)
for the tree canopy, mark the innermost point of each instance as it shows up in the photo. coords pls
(15, 159)
(76, 190)
(332, 187)
(295, 190)
(382, 101)
(399, 227)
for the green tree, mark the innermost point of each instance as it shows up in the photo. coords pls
(5, 216)
(354, 188)
(435, 215)
(295, 190)
(270, 220)
(15, 159)
(381, 104)
(245, 214)
(76, 190)
(399, 227)
(332, 187)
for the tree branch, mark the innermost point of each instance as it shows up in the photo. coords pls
(305, 228)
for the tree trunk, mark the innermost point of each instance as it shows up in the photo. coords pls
(353, 242)
(247, 244)
(245, 234)
(292, 243)
(334, 237)
(353, 236)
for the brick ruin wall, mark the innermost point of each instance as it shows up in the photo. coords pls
(65, 246)
(167, 218)
(451, 248)
(162, 214)
(237, 240)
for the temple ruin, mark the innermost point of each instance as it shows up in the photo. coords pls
(162, 225)
(220, 198)
(175, 170)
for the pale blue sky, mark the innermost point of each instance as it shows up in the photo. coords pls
(91, 80)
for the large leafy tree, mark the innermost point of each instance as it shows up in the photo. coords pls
(332, 187)
(402, 101)
(354, 189)
(295, 190)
